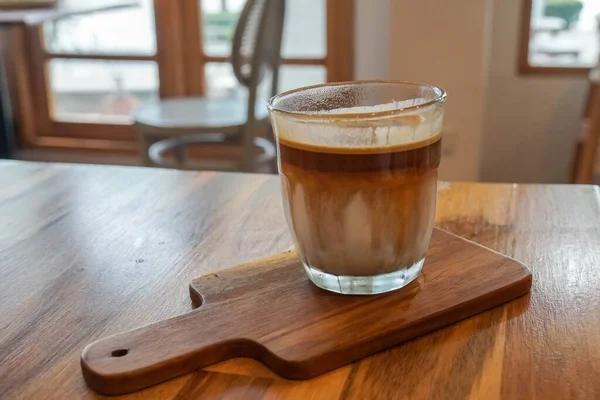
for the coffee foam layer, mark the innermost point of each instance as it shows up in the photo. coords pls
(331, 135)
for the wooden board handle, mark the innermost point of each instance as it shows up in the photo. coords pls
(152, 354)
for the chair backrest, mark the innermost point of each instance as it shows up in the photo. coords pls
(257, 49)
(257, 41)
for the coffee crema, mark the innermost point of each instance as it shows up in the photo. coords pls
(360, 211)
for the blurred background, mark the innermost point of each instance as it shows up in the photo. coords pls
(86, 89)
(87, 80)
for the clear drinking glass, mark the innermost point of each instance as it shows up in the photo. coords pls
(358, 163)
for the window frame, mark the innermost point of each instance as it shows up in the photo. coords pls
(180, 70)
(523, 66)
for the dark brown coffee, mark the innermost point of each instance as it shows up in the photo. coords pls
(360, 211)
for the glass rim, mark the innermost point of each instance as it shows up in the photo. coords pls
(312, 115)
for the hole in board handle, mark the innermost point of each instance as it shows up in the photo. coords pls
(119, 353)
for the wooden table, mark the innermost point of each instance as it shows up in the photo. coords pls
(89, 251)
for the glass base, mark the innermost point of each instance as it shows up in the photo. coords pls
(347, 284)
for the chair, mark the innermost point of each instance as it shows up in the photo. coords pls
(175, 124)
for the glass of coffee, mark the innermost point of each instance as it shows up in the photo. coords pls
(358, 163)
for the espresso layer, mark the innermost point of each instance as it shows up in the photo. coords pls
(361, 211)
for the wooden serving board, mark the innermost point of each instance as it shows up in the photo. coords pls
(268, 310)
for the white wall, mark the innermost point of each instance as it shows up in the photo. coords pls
(371, 39)
(531, 122)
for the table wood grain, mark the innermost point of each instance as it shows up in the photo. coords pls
(90, 251)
